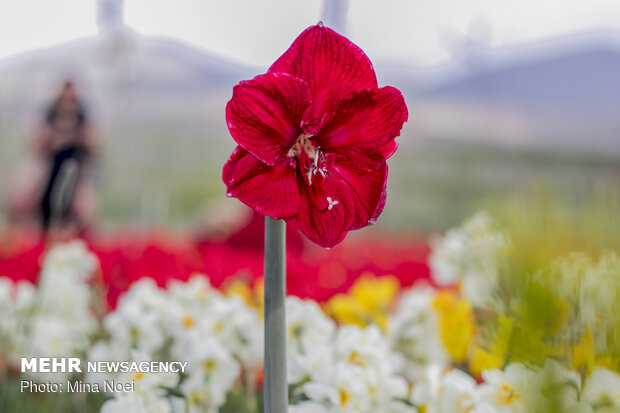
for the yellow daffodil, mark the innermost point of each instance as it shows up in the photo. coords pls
(456, 323)
(368, 301)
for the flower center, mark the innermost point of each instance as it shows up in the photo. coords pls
(507, 394)
(303, 142)
(310, 158)
(345, 396)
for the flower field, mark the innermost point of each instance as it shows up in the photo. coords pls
(312, 271)
(464, 325)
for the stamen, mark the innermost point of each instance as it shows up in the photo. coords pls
(315, 155)
(293, 151)
(332, 203)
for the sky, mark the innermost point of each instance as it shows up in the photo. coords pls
(422, 32)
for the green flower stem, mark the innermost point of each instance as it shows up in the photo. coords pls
(276, 390)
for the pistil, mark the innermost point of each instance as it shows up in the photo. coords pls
(309, 157)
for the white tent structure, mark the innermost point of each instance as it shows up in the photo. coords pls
(158, 103)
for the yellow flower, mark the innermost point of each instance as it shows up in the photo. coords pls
(584, 354)
(483, 360)
(240, 288)
(456, 323)
(346, 309)
(375, 293)
(368, 301)
(259, 294)
(514, 340)
(254, 297)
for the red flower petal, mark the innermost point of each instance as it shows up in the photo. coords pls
(368, 189)
(270, 190)
(264, 114)
(362, 125)
(325, 88)
(327, 61)
(323, 225)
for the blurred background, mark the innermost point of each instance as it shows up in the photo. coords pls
(112, 128)
(505, 98)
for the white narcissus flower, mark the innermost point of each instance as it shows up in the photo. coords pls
(148, 395)
(442, 391)
(103, 351)
(195, 294)
(55, 337)
(309, 333)
(471, 255)
(146, 295)
(602, 390)
(555, 387)
(307, 326)
(313, 365)
(460, 392)
(507, 391)
(15, 300)
(307, 407)
(25, 295)
(131, 328)
(344, 391)
(141, 403)
(57, 318)
(186, 322)
(599, 294)
(211, 373)
(194, 306)
(228, 320)
(427, 387)
(148, 383)
(366, 347)
(369, 350)
(414, 333)
(16, 312)
(356, 372)
(137, 321)
(130, 403)
(71, 256)
(7, 325)
(397, 407)
(447, 259)
(6, 294)
(236, 326)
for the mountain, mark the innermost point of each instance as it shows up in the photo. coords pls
(122, 75)
(582, 81)
(562, 93)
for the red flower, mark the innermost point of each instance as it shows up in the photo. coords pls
(314, 134)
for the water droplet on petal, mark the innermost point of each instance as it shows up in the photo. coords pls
(228, 194)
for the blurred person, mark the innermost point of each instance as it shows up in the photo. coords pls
(56, 185)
